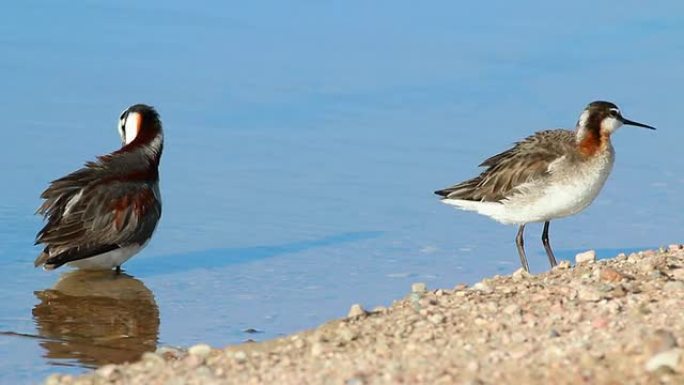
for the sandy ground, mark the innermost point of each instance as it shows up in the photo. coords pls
(618, 321)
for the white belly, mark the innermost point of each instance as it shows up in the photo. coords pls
(108, 260)
(564, 193)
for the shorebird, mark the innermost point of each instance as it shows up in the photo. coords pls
(550, 174)
(104, 213)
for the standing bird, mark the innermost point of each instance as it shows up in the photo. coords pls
(550, 174)
(101, 215)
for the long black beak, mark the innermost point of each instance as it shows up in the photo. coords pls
(633, 123)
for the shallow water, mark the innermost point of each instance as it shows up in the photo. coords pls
(302, 152)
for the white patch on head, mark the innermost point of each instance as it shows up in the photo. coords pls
(610, 124)
(582, 122)
(131, 126)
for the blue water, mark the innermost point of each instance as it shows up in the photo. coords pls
(303, 143)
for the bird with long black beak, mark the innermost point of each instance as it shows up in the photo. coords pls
(548, 175)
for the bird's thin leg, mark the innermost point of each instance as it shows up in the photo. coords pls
(547, 245)
(520, 244)
(118, 270)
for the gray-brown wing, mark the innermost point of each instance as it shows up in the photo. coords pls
(527, 160)
(83, 220)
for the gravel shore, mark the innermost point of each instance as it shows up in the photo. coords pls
(617, 321)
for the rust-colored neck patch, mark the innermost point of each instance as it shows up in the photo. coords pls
(593, 143)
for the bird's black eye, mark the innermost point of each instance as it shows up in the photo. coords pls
(614, 113)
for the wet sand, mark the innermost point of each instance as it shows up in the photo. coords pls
(617, 321)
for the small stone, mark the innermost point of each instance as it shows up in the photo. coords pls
(483, 287)
(54, 379)
(348, 335)
(418, 288)
(520, 274)
(356, 310)
(107, 371)
(668, 359)
(168, 352)
(600, 323)
(553, 333)
(588, 256)
(251, 331)
(152, 358)
(240, 356)
(474, 381)
(611, 275)
(436, 318)
(317, 349)
(562, 265)
(200, 350)
(646, 265)
(473, 366)
(588, 294)
(674, 247)
(660, 341)
(673, 286)
(633, 258)
(354, 381)
(299, 344)
(648, 253)
(193, 361)
(677, 274)
(512, 309)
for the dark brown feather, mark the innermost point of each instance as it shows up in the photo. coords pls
(111, 202)
(527, 160)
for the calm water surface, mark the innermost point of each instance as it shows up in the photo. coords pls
(304, 141)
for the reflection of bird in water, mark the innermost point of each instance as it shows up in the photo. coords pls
(97, 318)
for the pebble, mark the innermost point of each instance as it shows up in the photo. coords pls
(299, 343)
(193, 361)
(348, 335)
(512, 309)
(240, 356)
(317, 349)
(483, 287)
(677, 274)
(200, 350)
(379, 309)
(668, 359)
(611, 275)
(169, 352)
(660, 341)
(473, 366)
(673, 286)
(588, 256)
(562, 265)
(418, 288)
(520, 274)
(106, 371)
(54, 379)
(356, 310)
(153, 358)
(436, 318)
(588, 294)
(674, 247)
